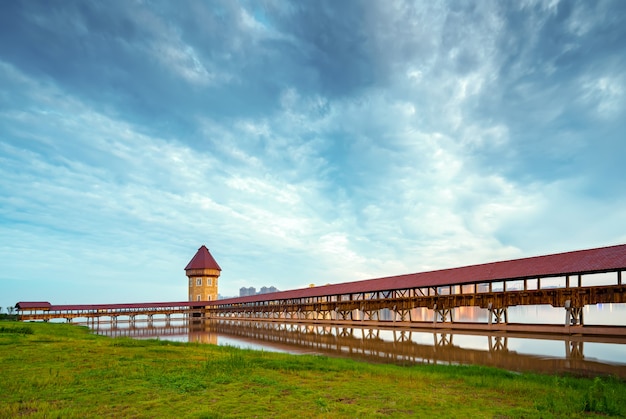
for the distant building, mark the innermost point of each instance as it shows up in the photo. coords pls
(202, 272)
(244, 292)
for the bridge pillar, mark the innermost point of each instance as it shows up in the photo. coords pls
(371, 314)
(573, 315)
(325, 315)
(345, 314)
(443, 314)
(500, 315)
(402, 313)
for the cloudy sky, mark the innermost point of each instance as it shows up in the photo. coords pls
(301, 142)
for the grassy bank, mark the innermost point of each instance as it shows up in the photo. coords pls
(59, 370)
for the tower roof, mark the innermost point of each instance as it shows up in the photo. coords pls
(203, 260)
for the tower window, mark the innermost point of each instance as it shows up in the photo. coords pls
(208, 281)
(198, 281)
(199, 298)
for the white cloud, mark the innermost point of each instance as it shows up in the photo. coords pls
(184, 60)
(415, 167)
(605, 94)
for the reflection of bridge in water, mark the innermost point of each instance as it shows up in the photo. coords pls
(397, 345)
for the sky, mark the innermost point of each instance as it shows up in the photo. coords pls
(303, 142)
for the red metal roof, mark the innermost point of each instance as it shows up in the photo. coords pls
(32, 305)
(603, 259)
(203, 260)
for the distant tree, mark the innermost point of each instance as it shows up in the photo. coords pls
(10, 310)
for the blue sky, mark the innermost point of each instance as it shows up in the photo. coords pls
(301, 142)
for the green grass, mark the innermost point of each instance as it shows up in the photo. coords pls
(60, 370)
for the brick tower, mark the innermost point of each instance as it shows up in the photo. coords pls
(202, 272)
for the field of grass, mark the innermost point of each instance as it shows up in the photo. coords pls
(60, 370)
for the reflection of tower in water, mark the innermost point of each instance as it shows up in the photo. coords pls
(200, 332)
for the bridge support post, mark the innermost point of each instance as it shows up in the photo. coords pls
(403, 314)
(573, 315)
(500, 315)
(442, 313)
(345, 314)
(374, 312)
(370, 313)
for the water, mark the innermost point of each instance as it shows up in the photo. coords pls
(578, 355)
